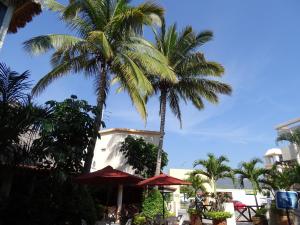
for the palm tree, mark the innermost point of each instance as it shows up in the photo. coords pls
(254, 174)
(107, 46)
(214, 168)
(19, 118)
(197, 183)
(292, 136)
(194, 74)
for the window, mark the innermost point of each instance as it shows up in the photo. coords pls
(3, 9)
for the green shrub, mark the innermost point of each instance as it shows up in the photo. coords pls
(153, 204)
(261, 212)
(193, 211)
(139, 219)
(218, 215)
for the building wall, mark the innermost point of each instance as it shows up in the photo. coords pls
(107, 148)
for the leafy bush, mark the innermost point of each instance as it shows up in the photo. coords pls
(261, 212)
(193, 211)
(218, 215)
(153, 204)
(141, 155)
(139, 219)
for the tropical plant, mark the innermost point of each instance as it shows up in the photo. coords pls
(64, 135)
(292, 137)
(107, 46)
(214, 168)
(253, 173)
(280, 178)
(194, 74)
(198, 183)
(153, 204)
(218, 215)
(142, 155)
(19, 119)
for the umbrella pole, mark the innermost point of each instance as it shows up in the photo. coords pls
(119, 202)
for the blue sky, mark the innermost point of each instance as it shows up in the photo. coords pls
(256, 41)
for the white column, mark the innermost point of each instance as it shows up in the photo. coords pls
(5, 24)
(119, 202)
(228, 207)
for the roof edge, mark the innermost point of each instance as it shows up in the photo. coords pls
(129, 131)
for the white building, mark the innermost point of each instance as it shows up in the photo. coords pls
(273, 156)
(107, 149)
(287, 152)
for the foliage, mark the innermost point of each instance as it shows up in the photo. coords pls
(285, 179)
(64, 135)
(292, 137)
(47, 195)
(108, 47)
(107, 43)
(197, 184)
(218, 215)
(139, 219)
(195, 75)
(49, 202)
(19, 117)
(214, 168)
(142, 155)
(250, 171)
(193, 211)
(153, 204)
(261, 212)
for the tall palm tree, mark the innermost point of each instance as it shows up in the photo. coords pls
(251, 172)
(107, 46)
(214, 168)
(194, 74)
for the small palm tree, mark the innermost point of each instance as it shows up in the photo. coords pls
(197, 184)
(251, 172)
(107, 46)
(214, 168)
(195, 75)
(292, 136)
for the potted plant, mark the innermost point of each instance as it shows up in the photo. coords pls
(260, 217)
(218, 217)
(194, 217)
(278, 216)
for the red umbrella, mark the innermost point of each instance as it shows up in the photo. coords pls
(111, 177)
(162, 180)
(108, 176)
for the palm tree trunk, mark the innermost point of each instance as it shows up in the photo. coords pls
(256, 202)
(163, 106)
(98, 119)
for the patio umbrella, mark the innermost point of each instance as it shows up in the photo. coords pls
(162, 180)
(110, 177)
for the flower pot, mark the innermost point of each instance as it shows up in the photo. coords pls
(259, 220)
(219, 222)
(195, 219)
(279, 217)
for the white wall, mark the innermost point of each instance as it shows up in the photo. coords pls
(242, 196)
(107, 152)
